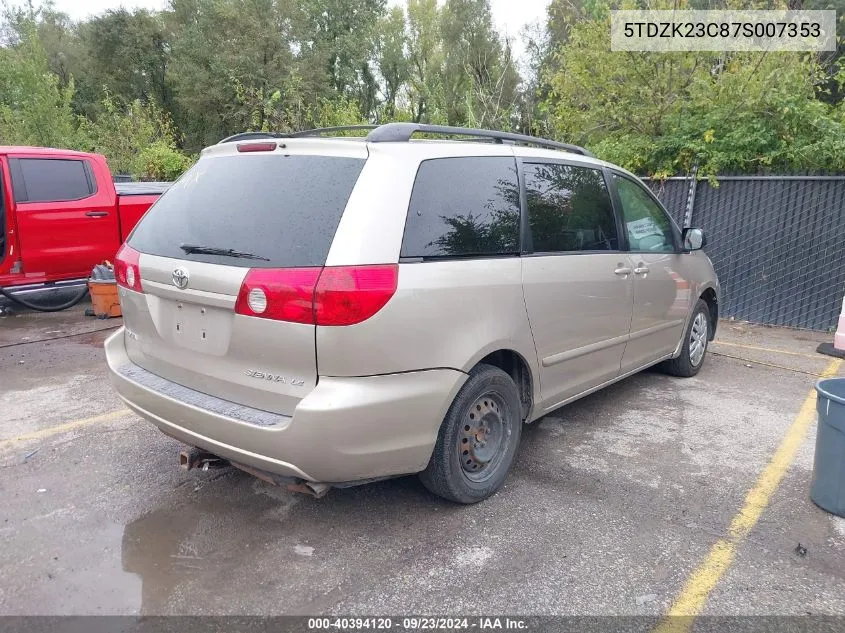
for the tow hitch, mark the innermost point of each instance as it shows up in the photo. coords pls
(198, 458)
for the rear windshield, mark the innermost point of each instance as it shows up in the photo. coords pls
(284, 210)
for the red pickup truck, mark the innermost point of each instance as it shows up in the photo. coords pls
(61, 214)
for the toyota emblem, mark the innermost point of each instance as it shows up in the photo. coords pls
(180, 278)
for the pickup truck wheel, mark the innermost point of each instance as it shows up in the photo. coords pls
(694, 346)
(48, 307)
(477, 442)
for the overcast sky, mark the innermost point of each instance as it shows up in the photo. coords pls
(509, 15)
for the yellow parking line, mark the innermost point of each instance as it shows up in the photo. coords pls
(771, 349)
(703, 580)
(62, 428)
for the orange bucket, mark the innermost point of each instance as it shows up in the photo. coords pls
(104, 299)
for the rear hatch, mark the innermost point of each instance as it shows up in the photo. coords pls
(219, 275)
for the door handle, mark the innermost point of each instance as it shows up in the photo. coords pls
(96, 214)
(623, 271)
(642, 269)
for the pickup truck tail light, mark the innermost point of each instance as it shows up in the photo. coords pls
(127, 269)
(334, 295)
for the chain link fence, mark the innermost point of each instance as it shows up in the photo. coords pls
(776, 242)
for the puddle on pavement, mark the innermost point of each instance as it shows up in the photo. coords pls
(205, 539)
(287, 549)
(79, 574)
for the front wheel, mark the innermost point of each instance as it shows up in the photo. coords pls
(694, 346)
(476, 445)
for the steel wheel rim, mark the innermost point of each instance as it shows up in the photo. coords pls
(484, 437)
(698, 339)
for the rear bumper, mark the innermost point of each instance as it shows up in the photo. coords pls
(346, 429)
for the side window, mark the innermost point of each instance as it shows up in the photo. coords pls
(51, 180)
(569, 209)
(647, 225)
(462, 207)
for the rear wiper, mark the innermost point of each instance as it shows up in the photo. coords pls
(193, 249)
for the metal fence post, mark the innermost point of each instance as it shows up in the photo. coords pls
(691, 197)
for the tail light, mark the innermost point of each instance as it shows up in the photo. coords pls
(127, 269)
(335, 295)
(282, 294)
(346, 295)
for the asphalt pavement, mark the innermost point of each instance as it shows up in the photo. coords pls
(618, 503)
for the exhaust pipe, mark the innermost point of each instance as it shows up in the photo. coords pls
(198, 458)
(316, 490)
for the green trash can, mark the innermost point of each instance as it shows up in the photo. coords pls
(828, 489)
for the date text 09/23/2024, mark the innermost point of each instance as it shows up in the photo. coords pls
(416, 623)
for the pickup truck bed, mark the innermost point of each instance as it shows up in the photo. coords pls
(141, 188)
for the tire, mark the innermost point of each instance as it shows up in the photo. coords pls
(470, 464)
(692, 356)
(39, 307)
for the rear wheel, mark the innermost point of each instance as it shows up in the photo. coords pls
(477, 442)
(694, 346)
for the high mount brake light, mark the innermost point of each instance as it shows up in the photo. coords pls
(334, 295)
(256, 147)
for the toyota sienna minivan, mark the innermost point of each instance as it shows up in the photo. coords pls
(327, 311)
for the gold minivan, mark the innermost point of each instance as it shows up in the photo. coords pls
(326, 311)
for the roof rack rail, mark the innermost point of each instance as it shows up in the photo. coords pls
(337, 128)
(402, 132)
(249, 136)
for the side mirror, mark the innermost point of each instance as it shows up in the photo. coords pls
(694, 239)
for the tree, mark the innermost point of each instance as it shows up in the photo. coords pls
(392, 62)
(480, 77)
(34, 108)
(65, 52)
(228, 58)
(127, 54)
(663, 113)
(425, 57)
(211, 68)
(342, 34)
(137, 138)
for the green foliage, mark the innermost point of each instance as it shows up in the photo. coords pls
(160, 161)
(149, 89)
(425, 56)
(479, 77)
(342, 33)
(34, 108)
(340, 111)
(137, 139)
(394, 65)
(127, 54)
(229, 58)
(663, 113)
